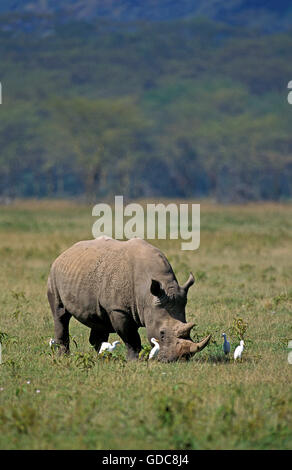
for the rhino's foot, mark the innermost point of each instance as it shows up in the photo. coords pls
(64, 349)
(59, 347)
(132, 355)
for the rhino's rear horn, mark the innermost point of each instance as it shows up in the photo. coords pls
(189, 283)
(196, 347)
(184, 329)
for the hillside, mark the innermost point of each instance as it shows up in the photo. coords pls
(266, 14)
(182, 108)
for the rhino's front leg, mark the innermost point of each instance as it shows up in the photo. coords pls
(97, 337)
(127, 329)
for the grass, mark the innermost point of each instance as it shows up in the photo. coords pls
(243, 270)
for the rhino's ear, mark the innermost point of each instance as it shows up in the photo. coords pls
(189, 283)
(156, 288)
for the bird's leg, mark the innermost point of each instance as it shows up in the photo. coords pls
(127, 329)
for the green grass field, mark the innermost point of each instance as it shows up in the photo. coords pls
(243, 270)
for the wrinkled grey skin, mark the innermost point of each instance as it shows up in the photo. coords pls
(119, 286)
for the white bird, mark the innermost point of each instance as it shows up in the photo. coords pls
(108, 347)
(154, 351)
(226, 344)
(53, 344)
(238, 351)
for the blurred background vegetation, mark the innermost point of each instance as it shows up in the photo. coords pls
(146, 99)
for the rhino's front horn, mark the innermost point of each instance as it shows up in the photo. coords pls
(184, 329)
(189, 283)
(196, 347)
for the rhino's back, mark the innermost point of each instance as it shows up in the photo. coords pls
(106, 272)
(84, 276)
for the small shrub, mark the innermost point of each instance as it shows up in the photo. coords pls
(84, 361)
(15, 367)
(21, 303)
(23, 418)
(145, 351)
(239, 328)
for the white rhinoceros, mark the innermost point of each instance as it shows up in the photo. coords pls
(119, 286)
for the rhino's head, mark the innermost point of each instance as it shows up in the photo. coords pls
(168, 323)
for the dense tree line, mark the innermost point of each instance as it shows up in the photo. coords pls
(187, 108)
(268, 15)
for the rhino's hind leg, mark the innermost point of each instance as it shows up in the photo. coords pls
(97, 337)
(61, 319)
(127, 329)
(62, 331)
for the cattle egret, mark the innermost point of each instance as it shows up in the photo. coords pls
(238, 351)
(154, 351)
(226, 344)
(53, 344)
(108, 347)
